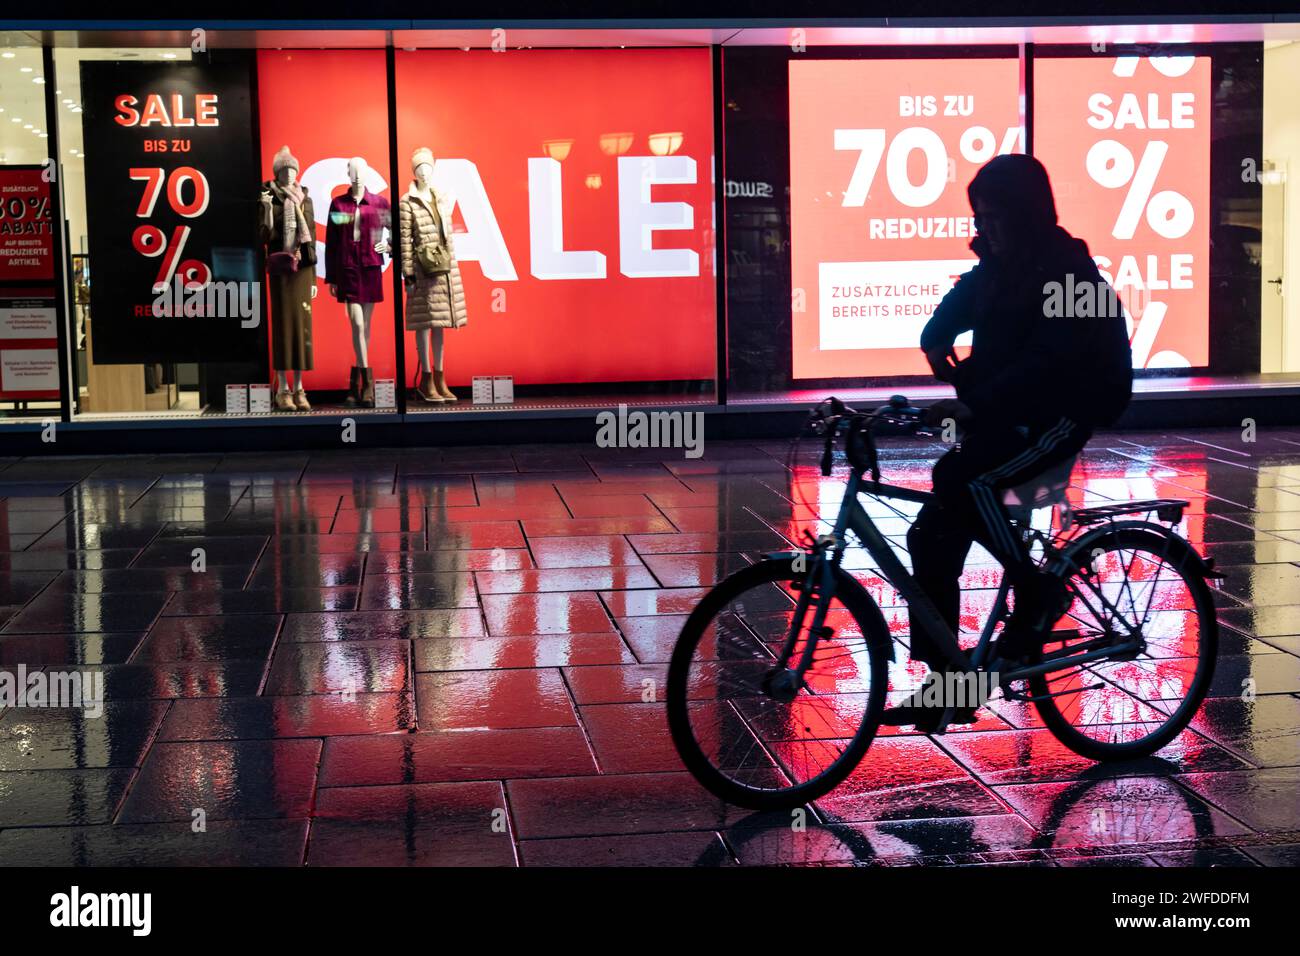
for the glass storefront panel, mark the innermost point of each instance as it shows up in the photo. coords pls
(836, 260)
(577, 187)
(1278, 250)
(574, 191)
(200, 193)
(29, 347)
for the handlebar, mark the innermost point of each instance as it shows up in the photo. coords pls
(898, 417)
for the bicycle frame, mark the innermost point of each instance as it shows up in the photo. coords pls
(818, 586)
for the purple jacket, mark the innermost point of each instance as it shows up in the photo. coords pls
(341, 248)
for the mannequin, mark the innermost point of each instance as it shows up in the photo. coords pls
(433, 302)
(354, 251)
(287, 228)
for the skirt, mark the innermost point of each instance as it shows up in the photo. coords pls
(361, 284)
(291, 319)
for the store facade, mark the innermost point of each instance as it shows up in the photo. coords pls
(218, 228)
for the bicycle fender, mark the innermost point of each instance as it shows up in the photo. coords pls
(1203, 566)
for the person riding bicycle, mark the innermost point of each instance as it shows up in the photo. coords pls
(1049, 362)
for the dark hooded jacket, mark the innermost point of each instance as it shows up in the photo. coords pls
(1028, 366)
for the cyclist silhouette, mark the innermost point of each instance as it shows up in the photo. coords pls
(1050, 361)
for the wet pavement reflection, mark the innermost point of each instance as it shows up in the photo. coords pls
(459, 657)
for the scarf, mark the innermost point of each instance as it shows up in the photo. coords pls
(296, 230)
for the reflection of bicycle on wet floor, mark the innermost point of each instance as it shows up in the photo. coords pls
(1099, 816)
(778, 681)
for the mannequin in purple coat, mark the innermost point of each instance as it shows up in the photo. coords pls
(355, 271)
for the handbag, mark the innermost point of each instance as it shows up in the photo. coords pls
(281, 263)
(433, 260)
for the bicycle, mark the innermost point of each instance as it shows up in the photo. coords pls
(778, 680)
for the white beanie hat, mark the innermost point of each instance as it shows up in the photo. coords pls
(420, 156)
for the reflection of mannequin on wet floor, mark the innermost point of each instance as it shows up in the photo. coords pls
(434, 301)
(357, 284)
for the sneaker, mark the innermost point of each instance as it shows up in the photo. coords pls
(920, 710)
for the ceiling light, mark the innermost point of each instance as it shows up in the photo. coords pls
(8, 55)
(27, 126)
(169, 56)
(76, 109)
(38, 79)
(24, 69)
(45, 136)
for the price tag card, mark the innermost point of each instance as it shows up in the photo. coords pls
(503, 390)
(259, 398)
(385, 393)
(482, 389)
(236, 399)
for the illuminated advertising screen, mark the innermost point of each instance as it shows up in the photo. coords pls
(1126, 141)
(581, 183)
(880, 155)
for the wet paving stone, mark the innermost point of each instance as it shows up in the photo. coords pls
(1027, 756)
(49, 798)
(77, 739)
(273, 718)
(351, 667)
(521, 651)
(428, 824)
(1116, 812)
(382, 625)
(226, 780)
(220, 638)
(1262, 799)
(464, 755)
(493, 700)
(224, 843)
(651, 849)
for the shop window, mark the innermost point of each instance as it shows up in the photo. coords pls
(29, 354)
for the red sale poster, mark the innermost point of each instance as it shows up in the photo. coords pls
(1127, 143)
(880, 155)
(29, 365)
(328, 106)
(26, 234)
(582, 183)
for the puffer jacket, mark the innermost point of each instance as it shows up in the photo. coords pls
(431, 300)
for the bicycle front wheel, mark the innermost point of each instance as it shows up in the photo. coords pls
(1130, 579)
(740, 734)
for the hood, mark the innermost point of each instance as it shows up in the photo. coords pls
(1019, 184)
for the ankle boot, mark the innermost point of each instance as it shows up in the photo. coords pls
(354, 387)
(425, 391)
(366, 396)
(440, 386)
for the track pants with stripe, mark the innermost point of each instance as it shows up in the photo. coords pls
(969, 482)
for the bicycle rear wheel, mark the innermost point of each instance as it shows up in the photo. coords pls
(1134, 578)
(742, 738)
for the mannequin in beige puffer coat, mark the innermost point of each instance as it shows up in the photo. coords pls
(436, 302)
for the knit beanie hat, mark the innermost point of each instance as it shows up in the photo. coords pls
(284, 160)
(420, 156)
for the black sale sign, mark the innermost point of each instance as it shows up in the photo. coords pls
(171, 180)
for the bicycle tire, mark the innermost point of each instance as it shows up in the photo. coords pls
(1181, 557)
(868, 618)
